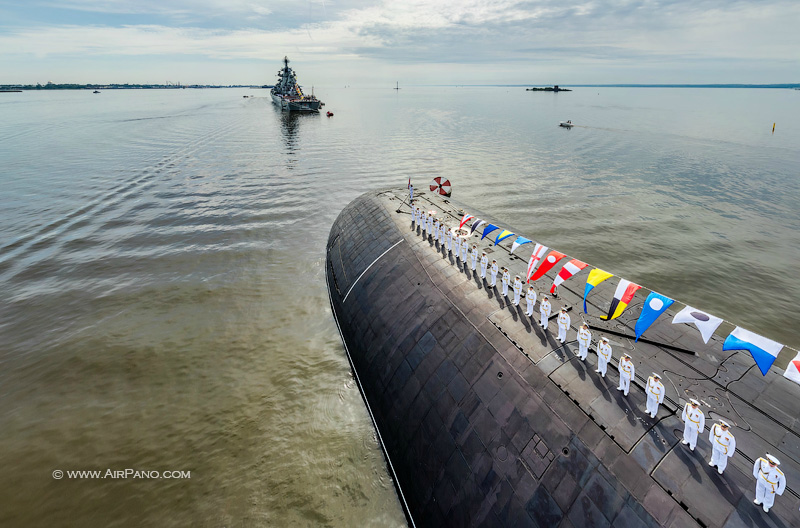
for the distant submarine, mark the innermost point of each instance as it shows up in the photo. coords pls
(486, 420)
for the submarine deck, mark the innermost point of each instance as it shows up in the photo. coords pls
(486, 419)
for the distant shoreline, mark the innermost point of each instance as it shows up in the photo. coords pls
(772, 86)
(113, 86)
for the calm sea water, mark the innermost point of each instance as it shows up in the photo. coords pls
(162, 298)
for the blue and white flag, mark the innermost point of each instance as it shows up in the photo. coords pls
(488, 229)
(763, 350)
(655, 305)
(476, 224)
(518, 242)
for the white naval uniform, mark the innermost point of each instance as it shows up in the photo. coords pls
(530, 297)
(584, 340)
(449, 239)
(474, 258)
(435, 230)
(626, 373)
(517, 291)
(442, 232)
(464, 248)
(414, 215)
(724, 446)
(430, 225)
(506, 279)
(425, 221)
(563, 326)
(494, 274)
(769, 482)
(544, 313)
(603, 357)
(484, 263)
(694, 421)
(655, 395)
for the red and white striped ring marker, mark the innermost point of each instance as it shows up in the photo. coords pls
(441, 186)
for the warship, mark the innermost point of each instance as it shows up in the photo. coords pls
(288, 95)
(485, 419)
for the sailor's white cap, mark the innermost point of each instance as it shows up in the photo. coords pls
(626, 356)
(773, 459)
(694, 402)
(604, 338)
(656, 375)
(563, 308)
(724, 423)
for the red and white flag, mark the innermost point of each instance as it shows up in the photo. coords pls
(570, 268)
(465, 219)
(536, 256)
(793, 370)
(547, 264)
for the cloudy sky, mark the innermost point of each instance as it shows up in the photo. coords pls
(373, 42)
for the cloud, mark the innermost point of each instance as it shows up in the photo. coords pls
(643, 32)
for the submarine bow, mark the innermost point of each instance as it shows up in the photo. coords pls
(486, 420)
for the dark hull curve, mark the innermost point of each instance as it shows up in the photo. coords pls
(486, 420)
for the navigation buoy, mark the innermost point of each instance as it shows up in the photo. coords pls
(441, 186)
(773, 128)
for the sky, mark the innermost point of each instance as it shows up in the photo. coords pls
(375, 42)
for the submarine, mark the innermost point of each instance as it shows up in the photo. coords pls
(485, 419)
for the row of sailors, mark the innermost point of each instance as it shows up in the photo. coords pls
(770, 480)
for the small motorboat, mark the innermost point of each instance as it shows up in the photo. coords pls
(566, 124)
(329, 114)
(96, 91)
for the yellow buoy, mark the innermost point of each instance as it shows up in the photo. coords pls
(773, 128)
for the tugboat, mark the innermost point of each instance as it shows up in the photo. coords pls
(287, 93)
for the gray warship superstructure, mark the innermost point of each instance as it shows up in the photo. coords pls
(288, 95)
(486, 420)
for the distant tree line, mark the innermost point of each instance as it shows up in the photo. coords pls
(115, 86)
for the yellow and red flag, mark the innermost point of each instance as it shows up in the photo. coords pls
(622, 298)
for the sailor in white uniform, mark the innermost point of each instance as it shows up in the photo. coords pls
(494, 270)
(517, 290)
(770, 481)
(563, 325)
(544, 312)
(430, 224)
(723, 444)
(603, 356)
(449, 239)
(413, 215)
(464, 248)
(436, 230)
(626, 373)
(442, 231)
(655, 394)
(694, 421)
(506, 279)
(530, 298)
(484, 263)
(584, 340)
(474, 257)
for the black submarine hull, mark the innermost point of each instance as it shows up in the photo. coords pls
(486, 420)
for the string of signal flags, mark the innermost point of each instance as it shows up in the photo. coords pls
(543, 259)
